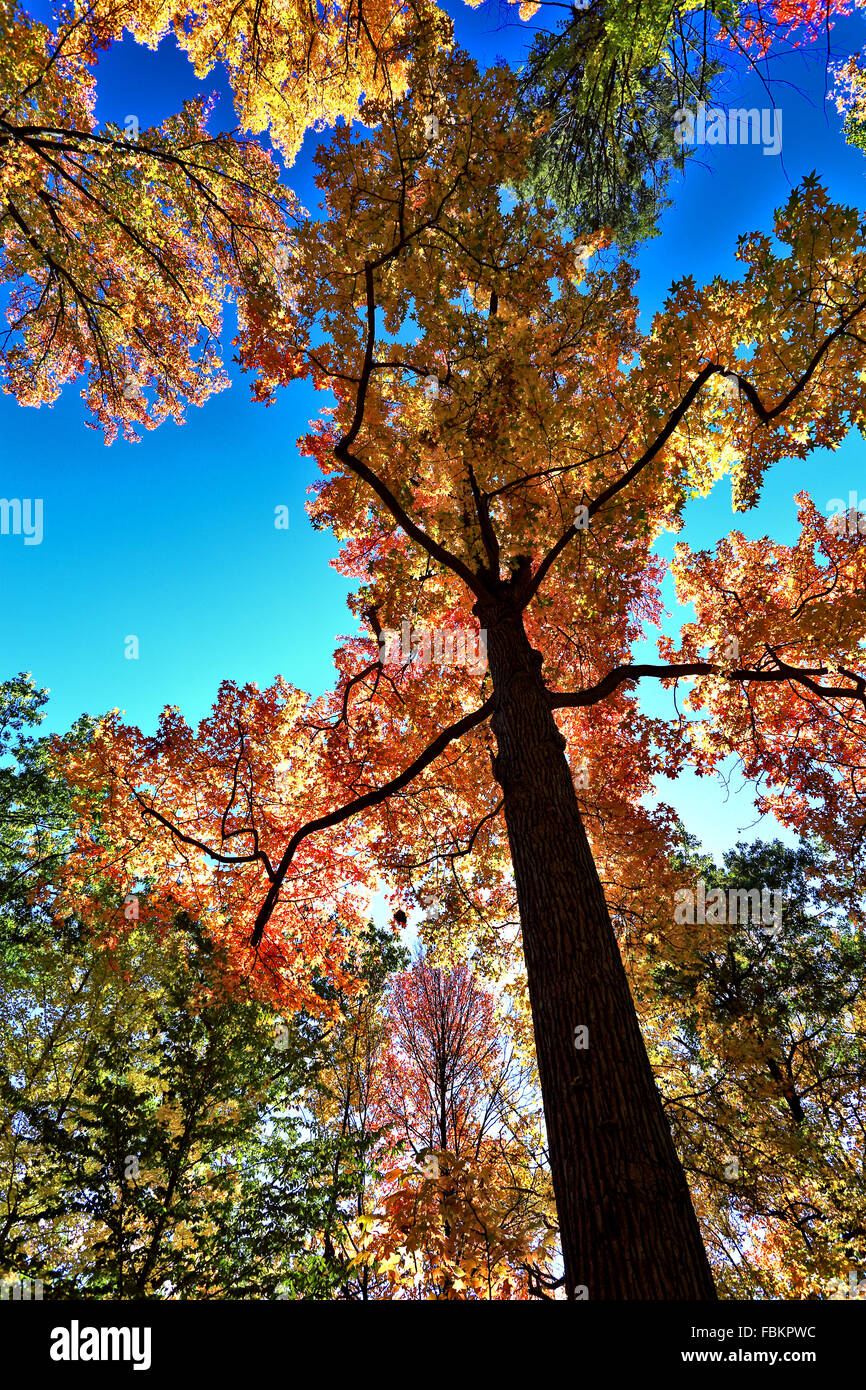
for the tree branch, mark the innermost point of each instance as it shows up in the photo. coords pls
(560, 699)
(764, 413)
(362, 803)
(343, 452)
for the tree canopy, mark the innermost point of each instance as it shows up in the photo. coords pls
(195, 991)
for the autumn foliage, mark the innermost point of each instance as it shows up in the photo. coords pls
(501, 449)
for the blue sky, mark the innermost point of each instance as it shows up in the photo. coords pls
(173, 540)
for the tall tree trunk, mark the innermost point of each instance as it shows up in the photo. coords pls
(627, 1223)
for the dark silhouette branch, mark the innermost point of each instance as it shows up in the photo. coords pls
(362, 803)
(766, 414)
(343, 452)
(620, 675)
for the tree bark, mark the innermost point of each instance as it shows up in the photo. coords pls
(627, 1224)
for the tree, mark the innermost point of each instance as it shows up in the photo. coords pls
(35, 829)
(121, 244)
(344, 1107)
(553, 444)
(607, 82)
(152, 1137)
(292, 67)
(462, 1208)
(757, 1028)
(850, 95)
(152, 1141)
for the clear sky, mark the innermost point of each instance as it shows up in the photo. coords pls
(173, 539)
